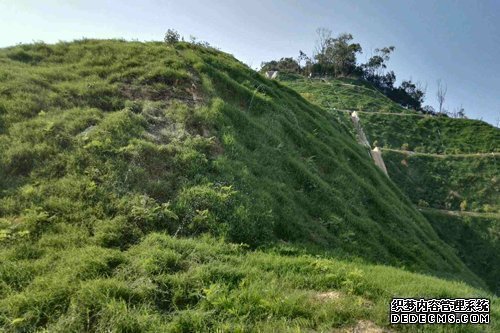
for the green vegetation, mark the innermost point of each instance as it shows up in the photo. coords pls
(440, 135)
(166, 284)
(336, 57)
(448, 182)
(341, 94)
(462, 182)
(186, 139)
(475, 237)
(114, 152)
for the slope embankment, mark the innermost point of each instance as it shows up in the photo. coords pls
(129, 172)
(183, 135)
(438, 162)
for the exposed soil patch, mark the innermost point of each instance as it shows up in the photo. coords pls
(330, 295)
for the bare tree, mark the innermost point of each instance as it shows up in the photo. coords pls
(323, 39)
(421, 86)
(442, 89)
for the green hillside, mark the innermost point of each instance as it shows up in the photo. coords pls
(476, 239)
(441, 163)
(465, 172)
(427, 134)
(129, 170)
(447, 182)
(341, 94)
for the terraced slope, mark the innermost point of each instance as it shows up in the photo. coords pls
(121, 161)
(453, 161)
(469, 183)
(450, 163)
(465, 180)
(476, 239)
(440, 163)
(342, 94)
(439, 135)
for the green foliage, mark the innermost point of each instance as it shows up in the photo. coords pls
(112, 150)
(172, 36)
(285, 65)
(431, 134)
(446, 182)
(342, 94)
(167, 284)
(335, 56)
(476, 240)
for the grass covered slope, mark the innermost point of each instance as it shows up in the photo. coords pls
(167, 284)
(475, 237)
(447, 182)
(108, 145)
(463, 182)
(439, 135)
(188, 140)
(342, 94)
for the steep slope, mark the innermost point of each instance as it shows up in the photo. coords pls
(469, 183)
(438, 135)
(439, 163)
(107, 146)
(200, 142)
(475, 237)
(341, 94)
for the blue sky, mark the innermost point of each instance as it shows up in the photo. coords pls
(456, 41)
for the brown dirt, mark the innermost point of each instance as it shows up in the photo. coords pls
(329, 295)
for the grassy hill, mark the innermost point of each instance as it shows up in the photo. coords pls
(476, 239)
(468, 183)
(124, 165)
(438, 162)
(341, 94)
(427, 134)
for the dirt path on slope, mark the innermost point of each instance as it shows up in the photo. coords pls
(384, 113)
(413, 153)
(359, 130)
(459, 212)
